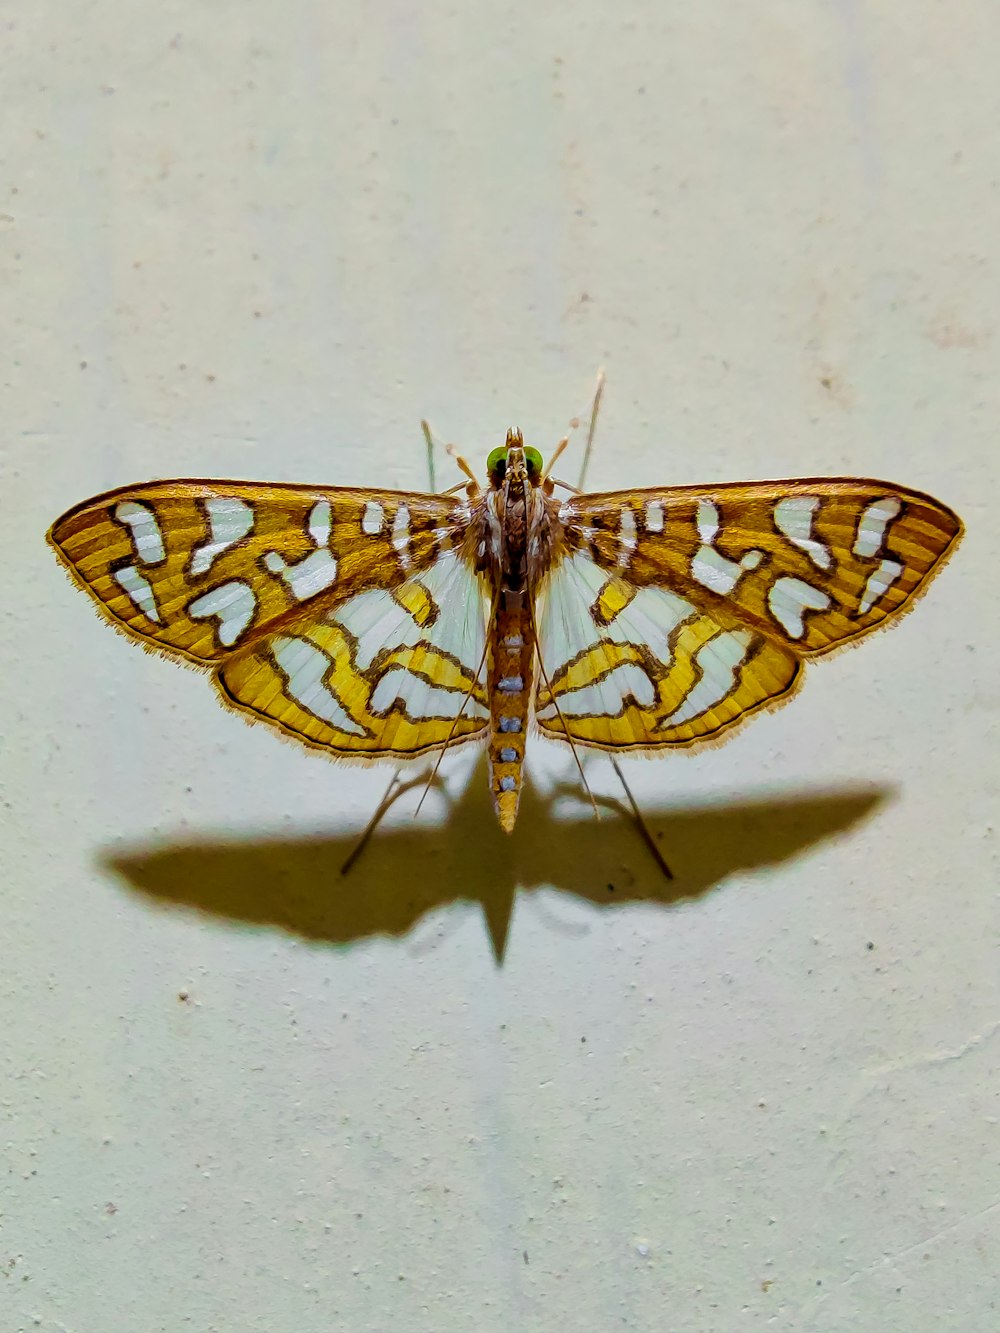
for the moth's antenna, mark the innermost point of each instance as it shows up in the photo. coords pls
(641, 824)
(559, 712)
(425, 426)
(595, 408)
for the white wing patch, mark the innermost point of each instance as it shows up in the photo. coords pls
(878, 584)
(318, 570)
(717, 661)
(401, 536)
(794, 520)
(229, 521)
(567, 631)
(789, 599)
(305, 578)
(710, 567)
(139, 591)
(419, 700)
(873, 524)
(319, 523)
(372, 519)
(452, 619)
(566, 628)
(147, 539)
(654, 515)
(232, 604)
(305, 670)
(628, 538)
(605, 697)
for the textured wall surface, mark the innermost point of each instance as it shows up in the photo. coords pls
(485, 1083)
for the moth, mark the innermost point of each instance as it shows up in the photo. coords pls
(385, 625)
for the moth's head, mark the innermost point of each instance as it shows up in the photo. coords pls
(514, 461)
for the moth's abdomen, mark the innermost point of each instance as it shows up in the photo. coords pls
(511, 667)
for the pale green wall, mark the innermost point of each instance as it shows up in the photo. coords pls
(277, 235)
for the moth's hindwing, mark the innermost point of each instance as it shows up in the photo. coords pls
(383, 673)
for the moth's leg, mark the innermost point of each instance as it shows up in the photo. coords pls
(452, 452)
(393, 792)
(463, 466)
(556, 453)
(640, 822)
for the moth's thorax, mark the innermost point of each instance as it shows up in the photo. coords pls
(519, 527)
(514, 526)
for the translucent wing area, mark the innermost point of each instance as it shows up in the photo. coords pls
(639, 668)
(811, 563)
(200, 568)
(676, 613)
(348, 619)
(380, 674)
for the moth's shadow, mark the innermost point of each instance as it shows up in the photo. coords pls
(412, 869)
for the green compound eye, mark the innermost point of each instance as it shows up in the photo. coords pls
(534, 461)
(496, 464)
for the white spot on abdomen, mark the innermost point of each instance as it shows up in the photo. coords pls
(879, 583)
(789, 599)
(794, 519)
(229, 521)
(139, 591)
(147, 539)
(233, 604)
(872, 525)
